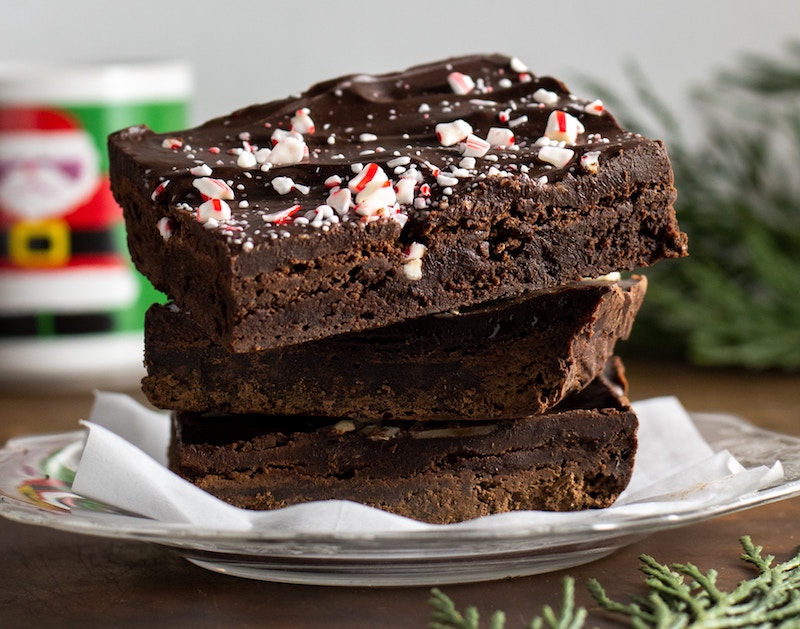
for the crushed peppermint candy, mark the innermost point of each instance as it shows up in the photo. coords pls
(159, 189)
(398, 180)
(460, 83)
(203, 170)
(302, 122)
(172, 143)
(213, 188)
(412, 261)
(214, 209)
(450, 133)
(563, 127)
(590, 161)
(556, 155)
(545, 97)
(283, 185)
(500, 137)
(165, 227)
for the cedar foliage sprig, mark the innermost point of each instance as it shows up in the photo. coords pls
(679, 596)
(736, 299)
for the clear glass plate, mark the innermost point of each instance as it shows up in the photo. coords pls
(35, 488)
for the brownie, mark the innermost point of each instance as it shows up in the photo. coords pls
(577, 456)
(369, 200)
(511, 358)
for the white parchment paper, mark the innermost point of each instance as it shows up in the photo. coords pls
(124, 465)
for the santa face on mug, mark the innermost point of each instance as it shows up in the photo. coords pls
(48, 166)
(59, 246)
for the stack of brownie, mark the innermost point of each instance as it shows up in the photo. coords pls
(402, 290)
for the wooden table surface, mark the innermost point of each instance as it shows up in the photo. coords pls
(55, 579)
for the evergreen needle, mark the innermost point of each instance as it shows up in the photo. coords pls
(680, 596)
(733, 301)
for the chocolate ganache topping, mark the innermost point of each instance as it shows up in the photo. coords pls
(362, 149)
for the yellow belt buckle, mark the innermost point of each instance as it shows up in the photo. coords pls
(44, 243)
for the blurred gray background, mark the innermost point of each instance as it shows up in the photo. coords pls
(251, 52)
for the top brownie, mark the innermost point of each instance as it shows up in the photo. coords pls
(368, 200)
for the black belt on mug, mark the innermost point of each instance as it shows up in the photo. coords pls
(51, 242)
(55, 324)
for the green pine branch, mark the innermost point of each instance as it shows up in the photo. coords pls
(736, 299)
(680, 596)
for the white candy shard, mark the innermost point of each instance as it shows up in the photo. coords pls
(369, 174)
(446, 180)
(172, 143)
(595, 108)
(460, 83)
(474, 147)
(546, 97)
(283, 185)
(375, 197)
(203, 170)
(412, 261)
(283, 216)
(590, 161)
(518, 66)
(262, 155)
(165, 227)
(246, 160)
(159, 189)
(556, 155)
(302, 122)
(341, 200)
(563, 127)
(213, 188)
(498, 136)
(404, 189)
(334, 181)
(450, 133)
(288, 151)
(213, 209)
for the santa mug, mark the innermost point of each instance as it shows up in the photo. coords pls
(71, 304)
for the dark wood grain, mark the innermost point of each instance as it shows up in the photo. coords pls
(50, 578)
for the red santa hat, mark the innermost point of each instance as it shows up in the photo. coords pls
(31, 119)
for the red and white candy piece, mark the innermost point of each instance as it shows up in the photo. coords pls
(215, 209)
(165, 227)
(501, 137)
(595, 108)
(370, 174)
(404, 189)
(283, 185)
(474, 146)
(341, 200)
(282, 217)
(201, 170)
(213, 188)
(460, 83)
(375, 198)
(556, 155)
(159, 189)
(282, 134)
(302, 122)
(412, 261)
(288, 151)
(334, 181)
(450, 133)
(590, 161)
(563, 127)
(172, 143)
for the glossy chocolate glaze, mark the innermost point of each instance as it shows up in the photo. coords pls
(387, 120)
